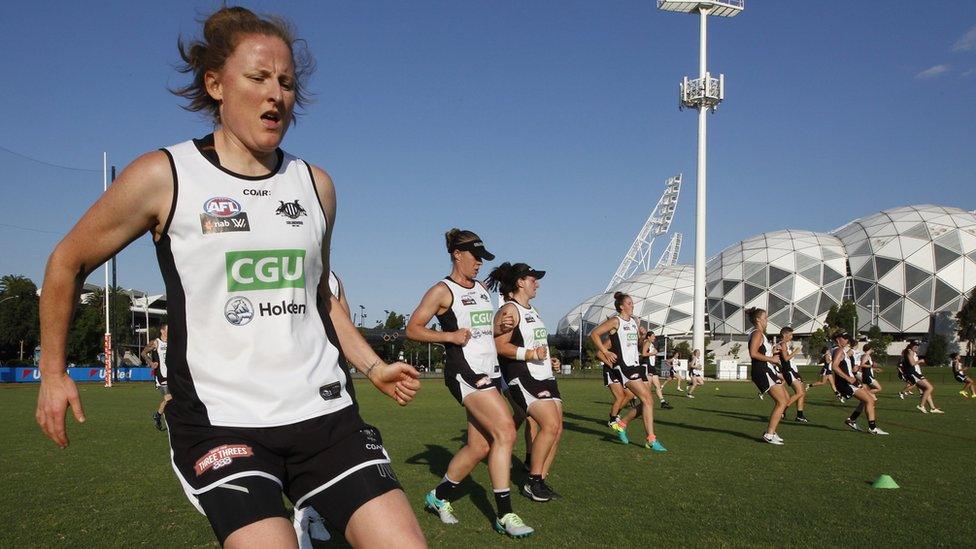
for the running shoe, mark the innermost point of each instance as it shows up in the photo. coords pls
(851, 424)
(680, 389)
(901, 396)
(808, 386)
(440, 507)
(536, 491)
(622, 435)
(777, 437)
(513, 526)
(801, 419)
(309, 525)
(655, 446)
(877, 431)
(964, 394)
(936, 411)
(158, 421)
(761, 396)
(922, 409)
(689, 395)
(772, 439)
(665, 405)
(616, 426)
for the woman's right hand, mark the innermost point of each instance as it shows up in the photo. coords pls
(608, 357)
(57, 392)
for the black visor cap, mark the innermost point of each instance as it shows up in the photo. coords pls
(477, 248)
(524, 270)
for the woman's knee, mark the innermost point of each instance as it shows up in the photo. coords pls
(503, 433)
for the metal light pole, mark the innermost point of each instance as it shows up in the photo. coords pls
(703, 93)
(107, 347)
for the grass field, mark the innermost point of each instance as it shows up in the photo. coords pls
(718, 486)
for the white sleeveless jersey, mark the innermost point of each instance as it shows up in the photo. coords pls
(471, 308)
(161, 352)
(241, 258)
(624, 342)
(531, 333)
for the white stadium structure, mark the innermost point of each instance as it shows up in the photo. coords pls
(901, 267)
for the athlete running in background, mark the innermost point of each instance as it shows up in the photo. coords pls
(467, 317)
(959, 374)
(672, 371)
(523, 353)
(764, 373)
(904, 372)
(697, 373)
(791, 376)
(913, 369)
(869, 371)
(849, 387)
(155, 355)
(259, 405)
(648, 359)
(826, 372)
(623, 354)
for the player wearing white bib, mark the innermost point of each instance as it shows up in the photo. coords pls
(623, 354)
(764, 373)
(468, 329)
(242, 229)
(524, 356)
(790, 374)
(155, 355)
(696, 373)
(849, 387)
(959, 374)
(912, 366)
(648, 358)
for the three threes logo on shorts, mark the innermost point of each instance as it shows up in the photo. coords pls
(265, 270)
(223, 215)
(480, 318)
(221, 456)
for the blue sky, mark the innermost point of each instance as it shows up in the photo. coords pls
(549, 127)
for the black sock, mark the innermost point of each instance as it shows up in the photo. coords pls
(534, 479)
(872, 424)
(528, 459)
(445, 489)
(503, 501)
(855, 414)
(799, 413)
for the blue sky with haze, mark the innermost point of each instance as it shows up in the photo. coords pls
(549, 127)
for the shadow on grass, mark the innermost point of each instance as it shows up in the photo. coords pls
(759, 418)
(436, 458)
(657, 421)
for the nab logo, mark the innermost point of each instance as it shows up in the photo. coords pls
(468, 300)
(221, 206)
(480, 318)
(265, 270)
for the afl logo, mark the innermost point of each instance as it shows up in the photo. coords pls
(221, 206)
(238, 311)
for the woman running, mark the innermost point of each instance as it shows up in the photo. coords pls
(904, 374)
(913, 369)
(648, 359)
(849, 387)
(523, 353)
(672, 371)
(261, 405)
(466, 315)
(764, 373)
(826, 373)
(869, 371)
(791, 376)
(623, 354)
(959, 373)
(697, 375)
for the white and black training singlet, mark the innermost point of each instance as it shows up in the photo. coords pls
(242, 258)
(530, 333)
(160, 356)
(471, 308)
(623, 342)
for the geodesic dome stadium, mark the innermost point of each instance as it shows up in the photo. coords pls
(795, 275)
(908, 263)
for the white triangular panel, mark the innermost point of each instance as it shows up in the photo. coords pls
(891, 249)
(953, 274)
(785, 262)
(913, 314)
(803, 287)
(911, 245)
(923, 259)
(895, 279)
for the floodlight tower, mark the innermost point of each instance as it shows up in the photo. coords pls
(703, 93)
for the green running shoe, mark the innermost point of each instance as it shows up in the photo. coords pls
(655, 446)
(622, 435)
(513, 526)
(441, 507)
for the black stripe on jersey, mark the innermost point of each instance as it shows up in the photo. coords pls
(315, 189)
(333, 336)
(615, 345)
(185, 402)
(176, 189)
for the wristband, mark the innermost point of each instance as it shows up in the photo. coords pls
(520, 353)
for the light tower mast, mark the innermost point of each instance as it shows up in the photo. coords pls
(703, 93)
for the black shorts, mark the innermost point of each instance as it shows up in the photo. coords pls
(846, 389)
(960, 377)
(765, 377)
(650, 371)
(461, 386)
(630, 373)
(611, 375)
(826, 371)
(913, 378)
(789, 376)
(526, 390)
(334, 462)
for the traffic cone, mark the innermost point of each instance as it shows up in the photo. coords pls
(885, 482)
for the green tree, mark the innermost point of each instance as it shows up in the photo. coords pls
(19, 324)
(684, 348)
(394, 321)
(879, 342)
(817, 341)
(966, 322)
(87, 331)
(937, 352)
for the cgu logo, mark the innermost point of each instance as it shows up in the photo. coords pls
(221, 206)
(265, 270)
(540, 334)
(480, 318)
